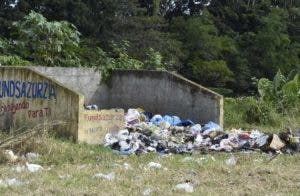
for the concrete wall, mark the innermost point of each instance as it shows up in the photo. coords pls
(155, 91)
(83, 80)
(28, 98)
(164, 93)
(93, 124)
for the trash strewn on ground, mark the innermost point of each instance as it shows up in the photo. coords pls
(191, 159)
(33, 167)
(9, 182)
(232, 160)
(185, 186)
(146, 192)
(169, 134)
(110, 177)
(32, 155)
(19, 169)
(154, 165)
(90, 107)
(126, 166)
(11, 156)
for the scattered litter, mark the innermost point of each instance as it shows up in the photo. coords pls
(154, 165)
(11, 156)
(199, 160)
(210, 127)
(187, 159)
(196, 129)
(33, 167)
(213, 158)
(32, 155)
(110, 140)
(110, 177)
(168, 134)
(232, 160)
(192, 173)
(191, 159)
(19, 169)
(9, 182)
(185, 186)
(91, 107)
(82, 166)
(146, 192)
(126, 166)
(276, 143)
(132, 116)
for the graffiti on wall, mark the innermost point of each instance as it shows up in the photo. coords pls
(103, 117)
(13, 107)
(94, 129)
(33, 90)
(15, 89)
(44, 112)
(96, 124)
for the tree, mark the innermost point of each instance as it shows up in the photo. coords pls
(143, 30)
(206, 49)
(176, 8)
(294, 25)
(47, 43)
(270, 48)
(265, 33)
(154, 60)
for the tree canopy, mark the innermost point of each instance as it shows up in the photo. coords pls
(220, 44)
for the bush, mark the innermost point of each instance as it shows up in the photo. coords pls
(47, 43)
(282, 93)
(12, 60)
(249, 110)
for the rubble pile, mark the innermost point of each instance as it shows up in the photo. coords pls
(169, 134)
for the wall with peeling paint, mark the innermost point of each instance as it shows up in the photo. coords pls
(28, 98)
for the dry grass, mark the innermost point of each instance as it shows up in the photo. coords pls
(73, 167)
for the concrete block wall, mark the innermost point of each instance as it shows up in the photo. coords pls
(155, 91)
(163, 92)
(83, 80)
(94, 124)
(28, 98)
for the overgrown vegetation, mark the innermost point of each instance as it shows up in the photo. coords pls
(70, 168)
(277, 104)
(220, 44)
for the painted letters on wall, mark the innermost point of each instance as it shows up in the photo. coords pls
(26, 89)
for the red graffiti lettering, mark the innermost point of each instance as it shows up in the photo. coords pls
(13, 107)
(39, 113)
(103, 117)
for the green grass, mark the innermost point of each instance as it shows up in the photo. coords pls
(73, 166)
(235, 116)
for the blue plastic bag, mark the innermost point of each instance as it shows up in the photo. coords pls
(185, 123)
(156, 119)
(211, 125)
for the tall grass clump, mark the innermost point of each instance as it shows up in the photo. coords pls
(277, 105)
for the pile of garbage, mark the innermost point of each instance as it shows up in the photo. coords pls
(169, 134)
